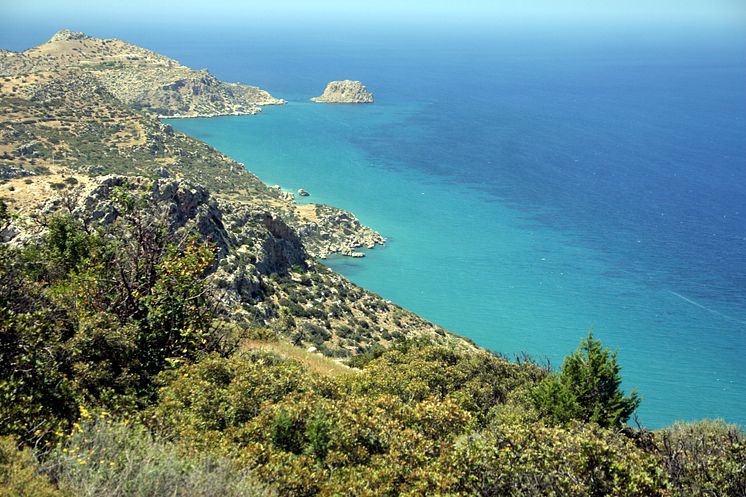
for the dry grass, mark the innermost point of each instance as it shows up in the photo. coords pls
(12, 85)
(307, 212)
(25, 195)
(132, 135)
(315, 361)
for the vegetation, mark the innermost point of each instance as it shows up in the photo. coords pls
(119, 320)
(91, 317)
(704, 458)
(105, 458)
(20, 475)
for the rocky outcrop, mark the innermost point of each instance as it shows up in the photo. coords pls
(249, 243)
(140, 78)
(180, 207)
(67, 35)
(345, 92)
(12, 172)
(336, 231)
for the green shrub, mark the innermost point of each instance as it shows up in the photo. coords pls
(536, 460)
(104, 458)
(92, 316)
(35, 391)
(319, 434)
(20, 475)
(705, 458)
(287, 432)
(416, 370)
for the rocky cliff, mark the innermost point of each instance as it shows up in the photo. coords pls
(138, 77)
(345, 92)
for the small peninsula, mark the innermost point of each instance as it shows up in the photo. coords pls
(140, 78)
(345, 92)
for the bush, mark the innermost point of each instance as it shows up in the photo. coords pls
(319, 434)
(35, 391)
(20, 475)
(286, 432)
(92, 316)
(104, 458)
(706, 458)
(536, 460)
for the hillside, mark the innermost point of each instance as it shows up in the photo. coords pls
(65, 122)
(138, 77)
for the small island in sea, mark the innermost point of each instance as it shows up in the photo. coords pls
(345, 92)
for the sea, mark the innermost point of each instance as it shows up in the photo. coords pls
(532, 184)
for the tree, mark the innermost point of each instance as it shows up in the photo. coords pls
(587, 388)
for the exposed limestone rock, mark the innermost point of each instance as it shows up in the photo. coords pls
(345, 92)
(11, 172)
(67, 35)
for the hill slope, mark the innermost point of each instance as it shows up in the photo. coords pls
(138, 77)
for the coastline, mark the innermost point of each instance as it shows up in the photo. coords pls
(250, 112)
(450, 267)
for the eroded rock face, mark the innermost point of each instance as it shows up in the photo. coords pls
(345, 92)
(337, 231)
(182, 208)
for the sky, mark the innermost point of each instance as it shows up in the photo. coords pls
(26, 23)
(446, 11)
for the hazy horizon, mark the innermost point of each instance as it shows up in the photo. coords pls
(37, 20)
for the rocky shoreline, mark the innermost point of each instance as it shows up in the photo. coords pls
(329, 230)
(250, 112)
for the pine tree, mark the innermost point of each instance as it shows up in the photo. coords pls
(587, 388)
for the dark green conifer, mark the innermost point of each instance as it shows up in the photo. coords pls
(587, 388)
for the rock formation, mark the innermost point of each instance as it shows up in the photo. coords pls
(345, 92)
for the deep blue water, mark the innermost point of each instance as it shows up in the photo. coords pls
(531, 186)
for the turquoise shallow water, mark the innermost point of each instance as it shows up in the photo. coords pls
(487, 269)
